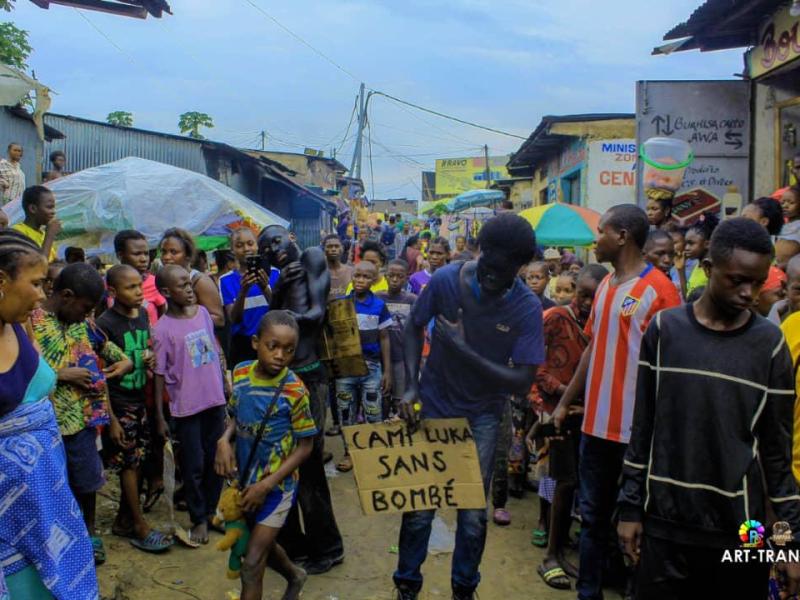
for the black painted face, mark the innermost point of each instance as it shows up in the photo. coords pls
(496, 273)
(275, 244)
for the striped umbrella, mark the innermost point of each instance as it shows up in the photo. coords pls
(563, 224)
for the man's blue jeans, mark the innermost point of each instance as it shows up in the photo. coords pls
(366, 390)
(471, 529)
(599, 470)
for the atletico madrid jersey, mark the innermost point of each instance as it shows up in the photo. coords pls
(620, 315)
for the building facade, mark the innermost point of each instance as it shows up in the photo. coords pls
(769, 30)
(587, 160)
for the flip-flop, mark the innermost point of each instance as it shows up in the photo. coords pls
(539, 538)
(151, 499)
(555, 577)
(99, 550)
(155, 542)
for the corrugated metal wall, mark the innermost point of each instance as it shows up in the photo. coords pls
(90, 144)
(21, 131)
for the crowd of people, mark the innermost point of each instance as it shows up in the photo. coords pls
(653, 402)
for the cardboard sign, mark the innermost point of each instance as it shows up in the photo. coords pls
(433, 467)
(340, 343)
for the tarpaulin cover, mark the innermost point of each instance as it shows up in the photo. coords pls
(134, 193)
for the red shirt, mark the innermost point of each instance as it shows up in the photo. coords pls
(564, 342)
(620, 315)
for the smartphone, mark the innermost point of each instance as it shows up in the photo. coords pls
(253, 263)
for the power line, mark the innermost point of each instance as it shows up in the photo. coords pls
(328, 59)
(352, 115)
(308, 45)
(419, 117)
(107, 37)
(444, 116)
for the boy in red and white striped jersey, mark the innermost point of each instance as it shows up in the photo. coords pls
(625, 303)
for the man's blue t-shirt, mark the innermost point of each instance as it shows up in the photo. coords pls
(255, 305)
(502, 329)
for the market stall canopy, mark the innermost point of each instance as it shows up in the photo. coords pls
(563, 224)
(149, 196)
(474, 198)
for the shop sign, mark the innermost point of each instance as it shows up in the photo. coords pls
(457, 175)
(611, 173)
(778, 43)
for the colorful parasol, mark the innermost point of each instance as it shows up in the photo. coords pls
(563, 224)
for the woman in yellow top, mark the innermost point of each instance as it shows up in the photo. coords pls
(791, 331)
(696, 247)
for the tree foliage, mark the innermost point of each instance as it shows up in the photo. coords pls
(121, 118)
(191, 122)
(14, 46)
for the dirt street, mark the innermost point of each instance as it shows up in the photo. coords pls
(508, 568)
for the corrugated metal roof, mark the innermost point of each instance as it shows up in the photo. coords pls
(721, 24)
(542, 143)
(125, 8)
(92, 143)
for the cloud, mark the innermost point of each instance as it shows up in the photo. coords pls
(499, 64)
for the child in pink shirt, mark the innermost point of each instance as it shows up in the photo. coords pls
(189, 368)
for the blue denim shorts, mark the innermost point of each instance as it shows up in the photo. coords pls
(84, 466)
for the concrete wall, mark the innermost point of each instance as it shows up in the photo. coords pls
(763, 156)
(310, 170)
(521, 194)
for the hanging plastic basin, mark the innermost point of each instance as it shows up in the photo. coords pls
(665, 161)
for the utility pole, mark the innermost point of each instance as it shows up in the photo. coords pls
(488, 172)
(263, 140)
(355, 165)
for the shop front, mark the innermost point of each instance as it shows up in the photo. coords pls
(770, 30)
(774, 66)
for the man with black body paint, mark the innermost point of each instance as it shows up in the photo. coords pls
(484, 317)
(302, 289)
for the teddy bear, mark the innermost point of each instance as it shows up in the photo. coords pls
(237, 534)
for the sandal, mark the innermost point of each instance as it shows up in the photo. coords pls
(539, 538)
(555, 577)
(155, 542)
(345, 465)
(501, 517)
(99, 550)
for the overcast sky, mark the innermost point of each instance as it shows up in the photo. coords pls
(502, 64)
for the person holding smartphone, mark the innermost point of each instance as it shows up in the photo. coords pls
(246, 293)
